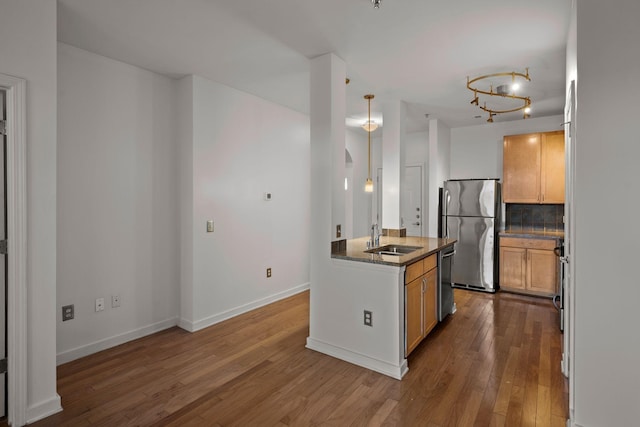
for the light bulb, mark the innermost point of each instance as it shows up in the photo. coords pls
(368, 186)
(370, 126)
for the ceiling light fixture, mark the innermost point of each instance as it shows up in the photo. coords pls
(503, 90)
(368, 186)
(376, 3)
(370, 126)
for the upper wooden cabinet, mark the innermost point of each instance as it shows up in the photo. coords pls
(533, 168)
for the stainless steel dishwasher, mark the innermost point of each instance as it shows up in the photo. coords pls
(446, 305)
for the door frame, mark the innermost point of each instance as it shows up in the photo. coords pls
(16, 91)
(568, 355)
(422, 195)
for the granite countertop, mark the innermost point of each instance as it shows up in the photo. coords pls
(356, 250)
(532, 234)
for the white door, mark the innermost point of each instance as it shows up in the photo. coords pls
(411, 202)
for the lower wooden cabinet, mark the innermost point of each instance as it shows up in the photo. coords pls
(421, 316)
(528, 265)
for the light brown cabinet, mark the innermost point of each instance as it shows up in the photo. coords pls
(533, 168)
(420, 301)
(528, 265)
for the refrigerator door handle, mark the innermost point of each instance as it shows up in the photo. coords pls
(445, 202)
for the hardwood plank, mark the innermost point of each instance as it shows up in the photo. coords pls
(495, 362)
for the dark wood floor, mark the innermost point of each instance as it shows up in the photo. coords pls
(493, 363)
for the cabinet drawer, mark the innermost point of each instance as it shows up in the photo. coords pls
(429, 263)
(413, 272)
(518, 242)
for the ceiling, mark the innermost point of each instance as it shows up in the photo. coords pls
(418, 51)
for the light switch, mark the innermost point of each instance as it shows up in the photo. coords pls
(210, 226)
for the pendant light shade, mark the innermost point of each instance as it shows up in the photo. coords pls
(368, 186)
(371, 126)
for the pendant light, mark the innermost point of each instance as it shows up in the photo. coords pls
(368, 186)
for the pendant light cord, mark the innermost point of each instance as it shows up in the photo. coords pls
(369, 134)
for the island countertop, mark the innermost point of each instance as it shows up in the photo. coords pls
(356, 248)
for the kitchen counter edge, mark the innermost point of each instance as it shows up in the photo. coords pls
(356, 250)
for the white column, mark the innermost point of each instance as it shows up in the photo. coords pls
(432, 180)
(393, 132)
(328, 106)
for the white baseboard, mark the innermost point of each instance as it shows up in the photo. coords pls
(385, 368)
(94, 347)
(228, 314)
(43, 409)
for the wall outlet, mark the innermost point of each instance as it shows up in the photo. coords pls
(99, 304)
(368, 318)
(67, 312)
(268, 272)
(115, 301)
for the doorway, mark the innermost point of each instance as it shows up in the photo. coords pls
(411, 201)
(411, 206)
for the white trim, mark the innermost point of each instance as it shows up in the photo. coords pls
(16, 90)
(358, 359)
(572, 424)
(94, 347)
(43, 409)
(228, 314)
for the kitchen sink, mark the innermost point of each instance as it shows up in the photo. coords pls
(396, 250)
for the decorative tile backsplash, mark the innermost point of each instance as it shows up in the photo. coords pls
(519, 217)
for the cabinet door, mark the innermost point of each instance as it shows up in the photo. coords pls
(430, 300)
(513, 267)
(542, 273)
(552, 176)
(413, 314)
(521, 169)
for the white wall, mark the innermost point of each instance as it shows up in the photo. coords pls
(242, 147)
(444, 153)
(117, 202)
(28, 51)
(439, 169)
(476, 151)
(607, 234)
(356, 143)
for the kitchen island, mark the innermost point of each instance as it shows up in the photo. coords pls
(355, 282)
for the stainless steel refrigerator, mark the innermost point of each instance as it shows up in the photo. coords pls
(470, 212)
